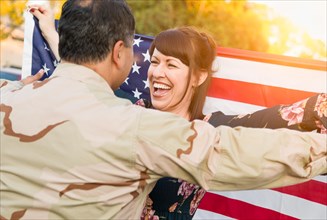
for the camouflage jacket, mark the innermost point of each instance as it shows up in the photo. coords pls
(70, 149)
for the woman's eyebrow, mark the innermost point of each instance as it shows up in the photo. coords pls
(174, 59)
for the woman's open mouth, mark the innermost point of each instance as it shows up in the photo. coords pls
(160, 89)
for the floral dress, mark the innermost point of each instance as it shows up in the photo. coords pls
(176, 199)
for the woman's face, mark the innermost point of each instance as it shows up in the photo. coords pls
(168, 81)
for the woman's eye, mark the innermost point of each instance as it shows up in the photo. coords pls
(154, 62)
(172, 65)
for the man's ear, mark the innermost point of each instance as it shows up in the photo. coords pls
(117, 53)
(203, 76)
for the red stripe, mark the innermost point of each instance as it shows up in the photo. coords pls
(312, 190)
(239, 210)
(256, 94)
(272, 58)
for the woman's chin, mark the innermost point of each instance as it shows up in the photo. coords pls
(158, 104)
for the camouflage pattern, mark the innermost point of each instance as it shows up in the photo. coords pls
(70, 149)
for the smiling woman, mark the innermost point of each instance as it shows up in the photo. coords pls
(164, 73)
(180, 71)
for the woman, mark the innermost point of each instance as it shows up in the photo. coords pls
(179, 76)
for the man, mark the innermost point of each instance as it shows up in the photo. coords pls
(70, 149)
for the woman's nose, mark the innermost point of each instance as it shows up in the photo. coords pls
(159, 71)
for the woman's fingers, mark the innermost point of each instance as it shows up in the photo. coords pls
(46, 20)
(36, 13)
(33, 78)
(40, 8)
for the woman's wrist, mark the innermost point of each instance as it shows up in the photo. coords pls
(53, 40)
(51, 37)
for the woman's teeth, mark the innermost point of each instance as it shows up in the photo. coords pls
(160, 86)
(160, 89)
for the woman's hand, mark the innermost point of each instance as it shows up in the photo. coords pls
(46, 19)
(47, 26)
(33, 78)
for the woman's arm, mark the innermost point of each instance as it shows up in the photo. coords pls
(47, 26)
(306, 115)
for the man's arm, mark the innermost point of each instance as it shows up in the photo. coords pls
(225, 158)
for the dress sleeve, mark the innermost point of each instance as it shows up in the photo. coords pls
(306, 115)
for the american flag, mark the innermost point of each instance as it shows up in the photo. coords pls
(245, 81)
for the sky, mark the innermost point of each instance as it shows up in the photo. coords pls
(310, 15)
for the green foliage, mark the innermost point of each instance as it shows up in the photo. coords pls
(153, 16)
(233, 23)
(11, 13)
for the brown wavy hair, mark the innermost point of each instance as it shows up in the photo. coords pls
(195, 49)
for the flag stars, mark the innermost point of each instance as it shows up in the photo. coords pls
(146, 56)
(126, 80)
(146, 83)
(136, 68)
(45, 68)
(55, 63)
(137, 42)
(137, 93)
(46, 47)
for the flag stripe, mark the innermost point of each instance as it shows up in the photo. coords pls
(255, 94)
(311, 190)
(244, 210)
(208, 215)
(28, 45)
(272, 58)
(228, 106)
(271, 74)
(273, 200)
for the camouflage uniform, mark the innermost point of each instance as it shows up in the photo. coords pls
(70, 149)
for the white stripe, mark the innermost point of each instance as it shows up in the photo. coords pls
(28, 45)
(203, 214)
(283, 203)
(272, 74)
(228, 107)
(321, 178)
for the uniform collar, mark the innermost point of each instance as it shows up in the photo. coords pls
(82, 74)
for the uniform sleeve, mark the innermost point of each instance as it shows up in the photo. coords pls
(7, 86)
(225, 158)
(305, 115)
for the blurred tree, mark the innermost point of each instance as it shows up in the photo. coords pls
(11, 16)
(233, 23)
(153, 16)
(287, 39)
(56, 5)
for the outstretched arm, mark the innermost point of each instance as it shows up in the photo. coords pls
(306, 115)
(230, 158)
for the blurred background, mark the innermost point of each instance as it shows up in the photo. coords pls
(286, 27)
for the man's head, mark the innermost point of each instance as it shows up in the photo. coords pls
(90, 29)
